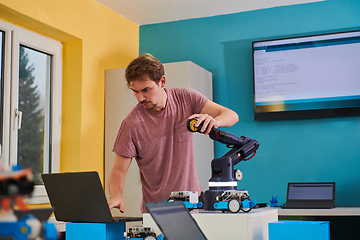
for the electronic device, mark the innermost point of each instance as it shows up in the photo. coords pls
(142, 233)
(175, 221)
(21, 222)
(307, 76)
(223, 193)
(79, 197)
(313, 195)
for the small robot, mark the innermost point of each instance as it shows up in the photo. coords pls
(274, 201)
(142, 233)
(190, 199)
(234, 201)
(15, 185)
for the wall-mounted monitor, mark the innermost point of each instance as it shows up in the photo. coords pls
(307, 77)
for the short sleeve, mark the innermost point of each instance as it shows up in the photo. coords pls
(124, 142)
(197, 99)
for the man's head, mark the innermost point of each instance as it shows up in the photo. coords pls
(145, 77)
(145, 64)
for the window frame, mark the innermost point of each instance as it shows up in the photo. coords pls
(16, 36)
(7, 29)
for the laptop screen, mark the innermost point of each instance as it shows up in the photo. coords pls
(311, 191)
(311, 194)
(175, 221)
(79, 197)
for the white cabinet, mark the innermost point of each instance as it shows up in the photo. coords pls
(119, 101)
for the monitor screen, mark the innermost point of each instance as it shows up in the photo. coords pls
(306, 77)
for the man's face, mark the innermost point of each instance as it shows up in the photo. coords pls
(149, 94)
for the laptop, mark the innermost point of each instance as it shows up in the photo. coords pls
(175, 221)
(310, 195)
(79, 197)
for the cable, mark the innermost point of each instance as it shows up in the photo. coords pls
(253, 155)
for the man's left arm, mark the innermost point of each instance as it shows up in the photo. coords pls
(214, 115)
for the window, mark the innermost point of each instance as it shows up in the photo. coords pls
(30, 103)
(2, 35)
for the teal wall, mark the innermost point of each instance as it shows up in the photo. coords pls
(297, 150)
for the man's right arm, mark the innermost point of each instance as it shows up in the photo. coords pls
(117, 181)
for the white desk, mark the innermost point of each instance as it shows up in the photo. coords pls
(217, 225)
(333, 212)
(344, 221)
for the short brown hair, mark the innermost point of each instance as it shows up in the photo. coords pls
(144, 64)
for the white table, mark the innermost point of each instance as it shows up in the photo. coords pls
(217, 225)
(344, 221)
(337, 211)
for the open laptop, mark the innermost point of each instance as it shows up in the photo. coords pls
(315, 195)
(175, 221)
(79, 197)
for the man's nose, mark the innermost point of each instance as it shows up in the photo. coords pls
(141, 97)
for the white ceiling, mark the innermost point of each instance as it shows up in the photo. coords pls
(144, 12)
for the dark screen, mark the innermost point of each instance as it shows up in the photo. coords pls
(175, 221)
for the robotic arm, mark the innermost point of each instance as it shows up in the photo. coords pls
(242, 148)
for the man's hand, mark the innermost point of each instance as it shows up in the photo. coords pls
(208, 122)
(117, 203)
(214, 115)
(117, 181)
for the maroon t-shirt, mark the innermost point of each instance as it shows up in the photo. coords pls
(162, 145)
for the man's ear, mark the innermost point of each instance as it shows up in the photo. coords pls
(162, 81)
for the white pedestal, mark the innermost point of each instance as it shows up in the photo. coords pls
(217, 225)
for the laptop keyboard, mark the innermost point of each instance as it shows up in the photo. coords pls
(127, 219)
(307, 207)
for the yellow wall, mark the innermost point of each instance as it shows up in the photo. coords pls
(94, 39)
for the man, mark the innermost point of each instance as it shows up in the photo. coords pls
(155, 133)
